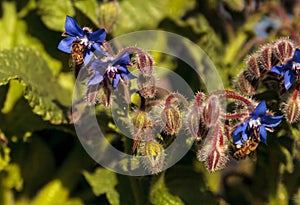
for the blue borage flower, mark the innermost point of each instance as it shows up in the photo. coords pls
(290, 70)
(112, 69)
(258, 121)
(90, 40)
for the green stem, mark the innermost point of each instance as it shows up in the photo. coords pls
(137, 191)
(135, 186)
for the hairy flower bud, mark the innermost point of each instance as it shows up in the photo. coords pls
(144, 63)
(253, 66)
(109, 13)
(211, 111)
(99, 93)
(154, 156)
(196, 126)
(140, 120)
(214, 150)
(172, 118)
(266, 58)
(146, 86)
(140, 123)
(244, 85)
(291, 110)
(284, 50)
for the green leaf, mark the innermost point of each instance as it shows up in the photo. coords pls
(138, 15)
(54, 194)
(42, 91)
(14, 32)
(104, 181)
(53, 12)
(14, 93)
(160, 195)
(89, 8)
(12, 177)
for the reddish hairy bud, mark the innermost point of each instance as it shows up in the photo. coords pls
(244, 85)
(211, 111)
(291, 110)
(214, 150)
(266, 58)
(253, 66)
(172, 118)
(144, 63)
(146, 86)
(284, 50)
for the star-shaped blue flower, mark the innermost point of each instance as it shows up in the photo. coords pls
(112, 70)
(290, 70)
(259, 121)
(91, 40)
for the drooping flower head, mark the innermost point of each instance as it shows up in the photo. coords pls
(90, 40)
(290, 70)
(111, 69)
(258, 122)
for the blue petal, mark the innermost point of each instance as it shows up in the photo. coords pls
(97, 36)
(123, 69)
(122, 60)
(279, 69)
(128, 76)
(72, 28)
(296, 57)
(240, 128)
(240, 132)
(259, 110)
(289, 79)
(95, 79)
(116, 80)
(99, 66)
(271, 121)
(87, 57)
(97, 47)
(263, 134)
(65, 44)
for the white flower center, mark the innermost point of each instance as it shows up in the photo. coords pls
(85, 41)
(254, 123)
(296, 66)
(111, 71)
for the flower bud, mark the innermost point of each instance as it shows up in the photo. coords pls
(253, 66)
(92, 94)
(154, 156)
(291, 110)
(172, 118)
(284, 50)
(214, 150)
(266, 57)
(146, 86)
(195, 125)
(109, 13)
(211, 111)
(144, 63)
(140, 120)
(245, 85)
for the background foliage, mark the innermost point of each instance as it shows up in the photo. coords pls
(41, 159)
